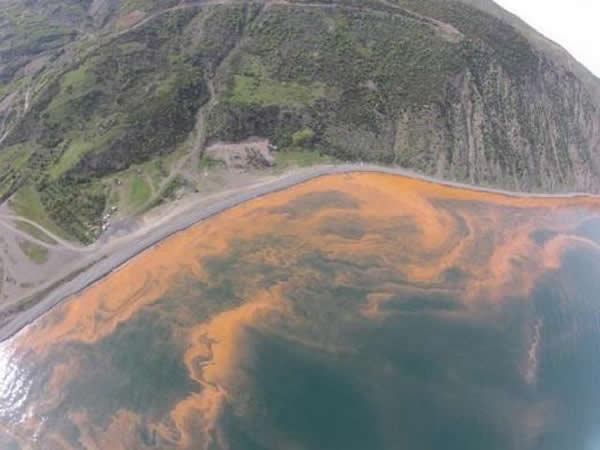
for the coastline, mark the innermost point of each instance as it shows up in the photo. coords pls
(123, 255)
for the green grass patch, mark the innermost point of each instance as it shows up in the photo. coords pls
(299, 157)
(137, 185)
(27, 203)
(35, 232)
(139, 192)
(70, 157)
(253, 89)
(78, 80)
(34, 252)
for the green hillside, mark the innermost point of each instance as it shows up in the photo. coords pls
(91, 90)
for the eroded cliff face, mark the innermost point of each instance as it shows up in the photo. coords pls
(538, 133)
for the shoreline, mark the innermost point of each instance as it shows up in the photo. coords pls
(181, 223)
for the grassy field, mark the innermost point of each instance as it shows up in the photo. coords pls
(300, 158)
(139, 192)
(34, 252)
(35, 232)
(27, 203)
(265, 91)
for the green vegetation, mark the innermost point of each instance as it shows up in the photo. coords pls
(139, 192)
(76, 207)
(368, 80)
(264, 91)
(169, 192)
(301, 158)
(25, 31)
(34, 252)
(511, 48)
(35, 232)
(157, 170)
(71, 156)
(132, 189)
(27, 203)
(302, 137)
(124, 102)
(335, 73)
(171, 188)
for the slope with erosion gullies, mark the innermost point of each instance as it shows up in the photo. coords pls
(441, 87)
(551, 49)
(445, 88)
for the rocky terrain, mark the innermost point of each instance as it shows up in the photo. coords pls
(112, 103)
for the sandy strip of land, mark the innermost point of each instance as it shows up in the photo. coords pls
(191, 216)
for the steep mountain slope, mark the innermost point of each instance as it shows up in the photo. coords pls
(461, 90)
(549, 48)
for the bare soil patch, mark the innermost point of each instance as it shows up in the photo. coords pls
(252, 153)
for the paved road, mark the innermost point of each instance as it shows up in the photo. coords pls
(122, 255)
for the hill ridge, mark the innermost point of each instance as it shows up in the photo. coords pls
(446, 88)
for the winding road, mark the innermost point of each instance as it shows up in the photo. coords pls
(184, 221)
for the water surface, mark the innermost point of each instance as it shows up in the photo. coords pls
(360, 311)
